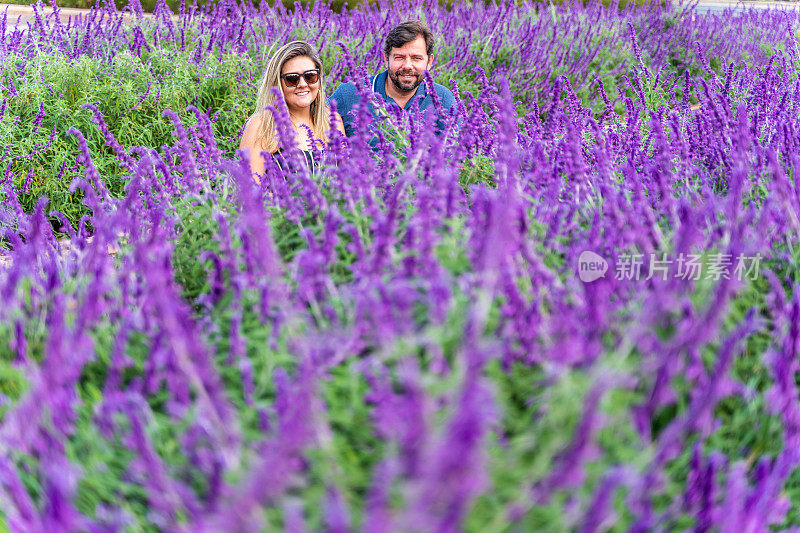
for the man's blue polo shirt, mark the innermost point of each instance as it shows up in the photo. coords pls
(346, 98)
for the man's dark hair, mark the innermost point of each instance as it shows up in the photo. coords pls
(405, 33)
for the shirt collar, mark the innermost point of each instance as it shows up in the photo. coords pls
(379, 86)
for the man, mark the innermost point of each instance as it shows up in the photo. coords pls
(408, 54)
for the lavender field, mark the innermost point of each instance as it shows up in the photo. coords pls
(576, 310)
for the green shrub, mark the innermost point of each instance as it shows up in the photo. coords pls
(131, 94)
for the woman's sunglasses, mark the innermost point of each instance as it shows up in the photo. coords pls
(293, 78)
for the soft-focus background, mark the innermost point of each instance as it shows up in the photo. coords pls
(336, 5)
(401, 341)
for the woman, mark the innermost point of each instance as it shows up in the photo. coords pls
(297, 70)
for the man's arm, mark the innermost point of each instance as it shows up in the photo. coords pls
(345, 97)
(447, 100)
(445, 96)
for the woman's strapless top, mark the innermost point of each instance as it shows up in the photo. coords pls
(311, 164)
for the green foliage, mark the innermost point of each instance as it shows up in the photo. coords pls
(132, 95)
(197, 231)
(478, 169)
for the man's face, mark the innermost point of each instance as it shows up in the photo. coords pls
(407, 64)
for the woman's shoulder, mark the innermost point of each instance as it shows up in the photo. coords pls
(337, 123)
(252, 128)
(254, 122)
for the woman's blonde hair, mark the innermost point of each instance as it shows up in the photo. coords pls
(320, 119)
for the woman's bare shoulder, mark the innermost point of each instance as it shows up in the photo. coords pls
(251, 130)
(337, 122)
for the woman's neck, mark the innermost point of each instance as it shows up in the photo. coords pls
(303, 125)
(301, 116)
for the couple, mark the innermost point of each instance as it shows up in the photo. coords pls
(296, 69)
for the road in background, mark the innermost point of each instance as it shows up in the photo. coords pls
(19, 16)
(719, 7)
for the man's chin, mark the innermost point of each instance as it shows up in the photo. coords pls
(405, 87)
